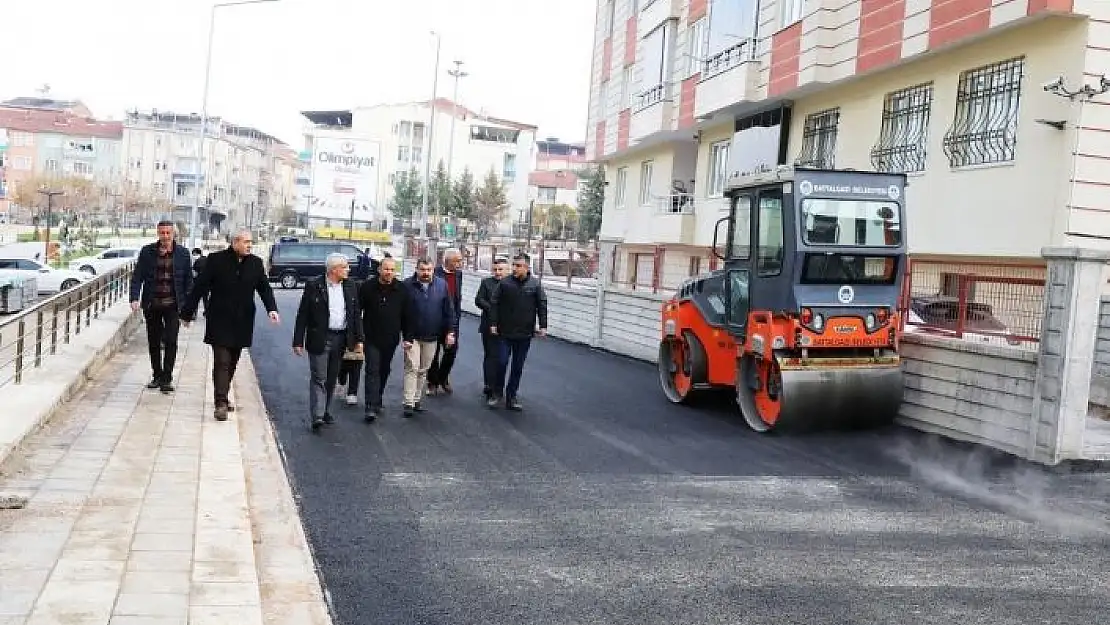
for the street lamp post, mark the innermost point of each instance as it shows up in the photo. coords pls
(456, 73)
(431, 143)
(204, 114)
(49, 209)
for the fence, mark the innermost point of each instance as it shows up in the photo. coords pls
(992, 303)
(552, 262)
(32, 335)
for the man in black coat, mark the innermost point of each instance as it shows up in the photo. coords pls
(515, 307)
(493, 371)
(439, 375)
(230, 279)
(386, 318)
(160, 285)
(328, 324)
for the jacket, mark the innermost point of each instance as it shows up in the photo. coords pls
(310, 330)
(456, 301)
(516, 305)
(230, 283)
(433, 314)
(386, 312)
(483, 301)
(144, 277)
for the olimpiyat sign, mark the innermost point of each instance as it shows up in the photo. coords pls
(344, 171)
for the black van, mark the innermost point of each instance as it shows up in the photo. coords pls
(294, 263)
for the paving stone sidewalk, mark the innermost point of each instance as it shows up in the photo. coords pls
(143, 510)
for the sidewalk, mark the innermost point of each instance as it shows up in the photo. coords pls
(143, 510)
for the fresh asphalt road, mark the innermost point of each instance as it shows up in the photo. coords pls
(603, 504)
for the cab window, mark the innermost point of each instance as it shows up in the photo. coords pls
(770, 244)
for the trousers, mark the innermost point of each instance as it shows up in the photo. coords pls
(323, 371)
(418, 359)
(162, 327)
(379, 361)
(224, 362)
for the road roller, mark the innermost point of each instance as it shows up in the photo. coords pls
(802, 319)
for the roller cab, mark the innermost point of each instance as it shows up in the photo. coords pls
(802, 320)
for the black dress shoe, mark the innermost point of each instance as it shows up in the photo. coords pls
(513, 404)
(155, 382)
(317, 423)
(166, 386)
(408, 412)
(370, 416)
(328, 418)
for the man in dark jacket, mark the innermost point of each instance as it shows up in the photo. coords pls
(160, 285)
(328, 324)
(433, 317)
(492, 370)
(440, 372)
(516, 305)
(230, 279)
(386, 314)
(198, 267)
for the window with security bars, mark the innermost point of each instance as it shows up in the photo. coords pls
(984, 128)
(904, 136)
(819, 140)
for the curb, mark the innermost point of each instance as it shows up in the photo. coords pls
(88, 369)
(275, 515)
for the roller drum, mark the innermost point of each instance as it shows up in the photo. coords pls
(819, 397)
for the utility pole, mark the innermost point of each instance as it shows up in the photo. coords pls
(351, 224)
(456, 73)
(431, 144)
(49, 210)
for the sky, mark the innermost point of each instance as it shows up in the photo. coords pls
(527, 60)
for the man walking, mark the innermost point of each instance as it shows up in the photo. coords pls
(199, 261)
(328, 324)
(230, 279)
(493, 371)
(515, 306)
(386, 315)
(433, 319)
(160, 285)
(451, 274)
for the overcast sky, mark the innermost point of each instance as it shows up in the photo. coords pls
(528, 60)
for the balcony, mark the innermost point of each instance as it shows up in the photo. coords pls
(655, 12)
(666, 219)
(727, 78)
(652, 112)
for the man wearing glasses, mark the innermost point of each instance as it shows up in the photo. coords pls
(516, 306)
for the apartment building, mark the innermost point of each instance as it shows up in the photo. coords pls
(45, 141)
(464, 139)
(247, 173)
(556, 179)
(958, 94)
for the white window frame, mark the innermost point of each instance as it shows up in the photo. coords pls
(697, 42)
(629, 82)
(620, 197)
(647, 168)
(792, 12)
(547, 195)
(717, 175)
(22, 163)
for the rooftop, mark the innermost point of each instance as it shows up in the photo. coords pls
(560, 179)
(38, 120)
(344, 118)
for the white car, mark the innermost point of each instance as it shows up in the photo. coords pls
(47, 279)
(105, 261)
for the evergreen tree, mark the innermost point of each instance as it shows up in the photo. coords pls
(407, 198)
(439, 197)
(590, 202)
(462, 200)
(490, 203)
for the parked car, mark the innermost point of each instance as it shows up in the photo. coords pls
(47, 279)
(940, 314)
(105, 261)
(291, 264)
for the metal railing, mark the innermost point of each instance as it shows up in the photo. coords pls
(32, 335)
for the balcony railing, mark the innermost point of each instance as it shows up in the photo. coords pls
(653, 95)
(728, 58)
(675, 204)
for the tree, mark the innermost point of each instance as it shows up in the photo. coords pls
(590, 202)
(489, 203)
(559, 221)
(439, 191)
(462, 200)
(406, 201)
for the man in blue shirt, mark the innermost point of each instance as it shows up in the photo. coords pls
(432, 319)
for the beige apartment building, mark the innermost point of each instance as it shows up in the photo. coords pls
(973, 99)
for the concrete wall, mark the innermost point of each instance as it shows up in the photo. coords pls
(1100, 379)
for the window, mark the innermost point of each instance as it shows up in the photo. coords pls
(770, 243)
(696, 44)
(846, 268)
(82, 168)
(628, 98)
(792, 11)
(404, 131)
(731, 31)
(718, 168)
(741, 245)
(22, 139)
(159, 188)
(22, 163)
(546, 195)
(984, 128)
(50, 165)
(508, 167)
(738, 297)
(181, 189)
(402, 153)
(603, 99)
(621, 184)
(496, 135)
(417, 154)
(610, 16)
(654, 66)
(819, 140)
(645, 182)
(905, 132)
(865, 223)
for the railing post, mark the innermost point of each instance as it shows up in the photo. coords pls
(20, 344)
(54, 331)
(88, 307)
(961, 304)
(38, 339)
(69, 311)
